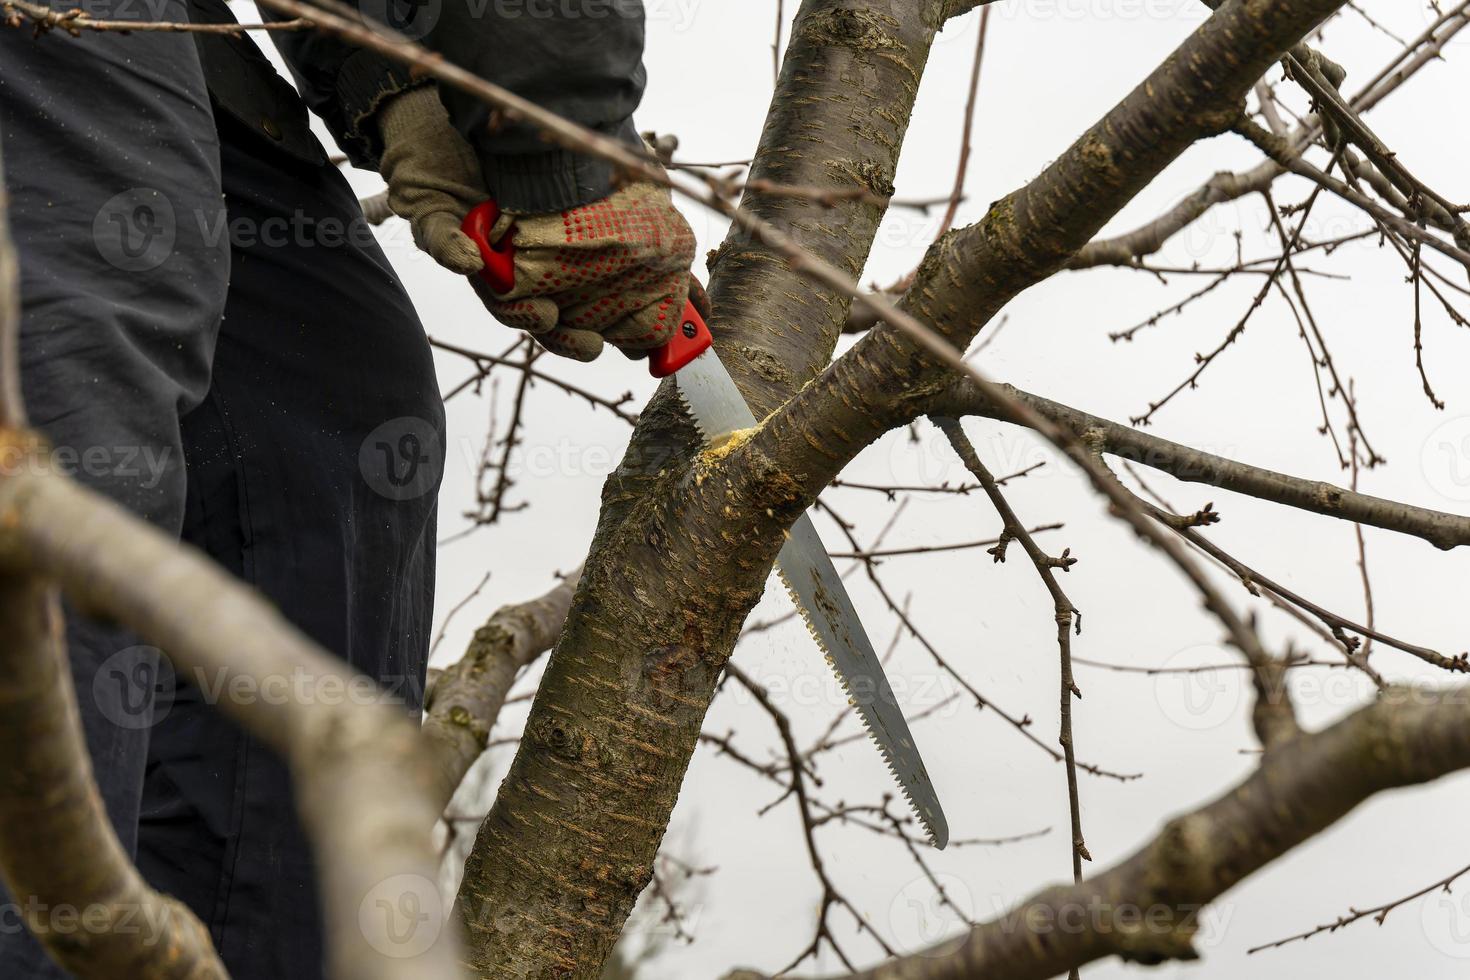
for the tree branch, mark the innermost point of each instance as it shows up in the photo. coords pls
(1066, 615)
(1146, 909)
(67, 873)
(361, 772)
(892, 374)
(468, 696)
(1440, 529)
(618, 712)
(58, 850)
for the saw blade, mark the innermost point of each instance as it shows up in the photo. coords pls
(816, 588)
(811, 579)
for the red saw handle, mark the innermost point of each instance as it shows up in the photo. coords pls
(499, 257)
(691, 338)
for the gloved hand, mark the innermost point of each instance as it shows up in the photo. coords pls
(433, 176)
(616, 270)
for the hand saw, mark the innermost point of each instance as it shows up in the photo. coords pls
(718, 409)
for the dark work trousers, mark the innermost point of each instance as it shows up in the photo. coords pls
(212, 339)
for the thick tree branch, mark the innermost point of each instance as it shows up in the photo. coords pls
(68, 875)
(565, 852)
(468, 696)
(1146, 239)
(893, 373)
(967, 276)
(617, 714)
(1146, 909)
(837, 121)
(1443, 530)
(1127, 248)
(60, 858)
(361, 771)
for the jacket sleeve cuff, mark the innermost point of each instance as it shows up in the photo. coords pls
(365, 81)
(554, 181)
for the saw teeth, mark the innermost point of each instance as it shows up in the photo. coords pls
(868, 725)
(704, 434)
(738, 416)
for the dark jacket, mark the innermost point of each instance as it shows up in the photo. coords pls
(578, 58)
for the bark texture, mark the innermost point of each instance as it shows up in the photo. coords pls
(970, 274)
(76, 889)
(466, 699)
(73, 884)
(1146, 908)
(361, 771)
(571, 839)
(848, 84)
(1439, 528)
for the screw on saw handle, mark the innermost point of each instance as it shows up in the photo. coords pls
(499, 257)
(691, 338)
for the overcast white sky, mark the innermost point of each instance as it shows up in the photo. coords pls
(1052, 67)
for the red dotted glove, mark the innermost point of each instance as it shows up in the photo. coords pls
(614, 271)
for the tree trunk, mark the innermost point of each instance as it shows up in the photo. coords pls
(683, 550)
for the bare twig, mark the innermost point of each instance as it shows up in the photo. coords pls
(1378, 912)
(75, 20)
(1066, 615)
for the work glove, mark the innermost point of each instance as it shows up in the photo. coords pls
(614, 271)
(433, 176)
